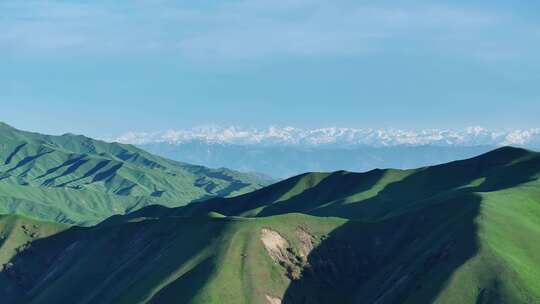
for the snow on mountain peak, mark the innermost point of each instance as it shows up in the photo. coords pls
(471, 136)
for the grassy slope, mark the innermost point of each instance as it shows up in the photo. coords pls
(380, 193)
(75, 179)
(170, 260)
(465, 232)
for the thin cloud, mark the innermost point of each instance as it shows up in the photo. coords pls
(257, 29)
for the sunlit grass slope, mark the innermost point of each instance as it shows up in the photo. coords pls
(380, 194)
(75, 179)
(463, 232)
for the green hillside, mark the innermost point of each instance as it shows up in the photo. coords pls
(76, 179)
(463, 232)
(380, 194)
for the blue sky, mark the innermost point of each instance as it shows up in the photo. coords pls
(107, 67)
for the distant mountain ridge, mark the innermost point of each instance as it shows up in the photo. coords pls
(285, 152)
(76, 179)
(337, 137)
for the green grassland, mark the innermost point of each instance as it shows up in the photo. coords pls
(78, 180)
(462, 232)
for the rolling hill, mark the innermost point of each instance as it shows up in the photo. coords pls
(76, 179)
(462, 232)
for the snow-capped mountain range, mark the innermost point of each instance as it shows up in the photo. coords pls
(285, 151)
(340, 137)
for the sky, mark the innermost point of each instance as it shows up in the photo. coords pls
(108, 67)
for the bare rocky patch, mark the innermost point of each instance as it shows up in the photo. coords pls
(280, 250)
(275, 245)
(273, 300)
(306, 243)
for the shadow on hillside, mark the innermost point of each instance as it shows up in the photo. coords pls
(336, 186)
(331, 196)
(493, 171)
(29, 159)
(403, 256)
(237, 205)
(14, 152)
(345, 183)
(117, 263)
(409, 256)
